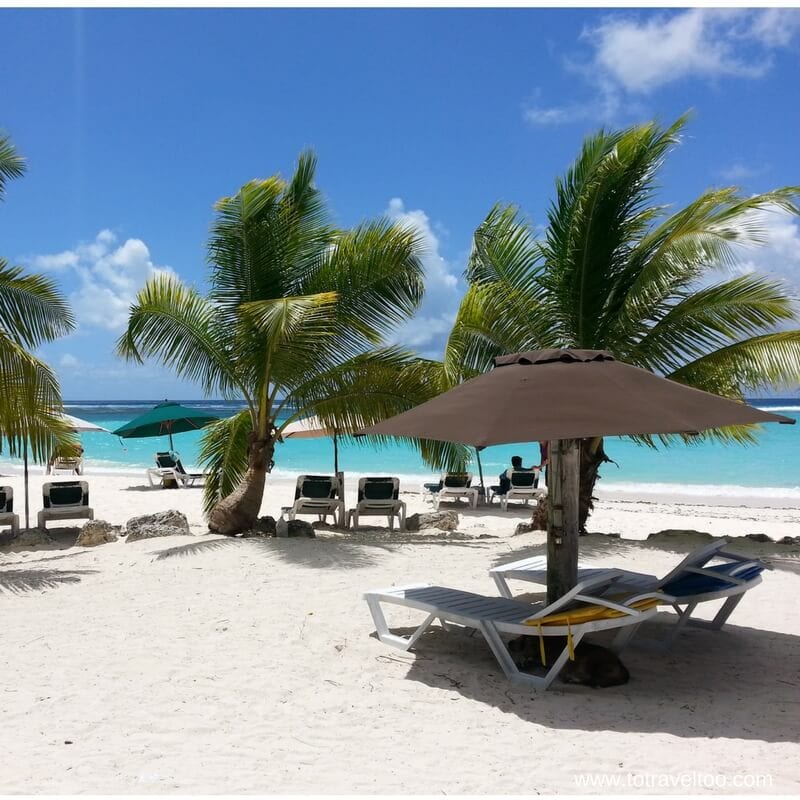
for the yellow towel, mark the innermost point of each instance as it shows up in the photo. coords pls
(579, 615)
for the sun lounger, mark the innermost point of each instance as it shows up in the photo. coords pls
(317, 494)
(524, 486)
(7, 515)
(66, 466)
(65, 500)
(691, 582)
(168, 469)
(455, 485)
(379, 497)
(572, 616)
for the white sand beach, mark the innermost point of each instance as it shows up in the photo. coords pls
(199, 664)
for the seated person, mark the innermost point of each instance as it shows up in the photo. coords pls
(505, 477)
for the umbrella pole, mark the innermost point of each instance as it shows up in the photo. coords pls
(480, 471)
(171, 446)
(562, 519)
(335, 454)
(27, 503)
(342, 515)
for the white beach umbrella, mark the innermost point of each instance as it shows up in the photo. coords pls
(313, 428)
(81, 425)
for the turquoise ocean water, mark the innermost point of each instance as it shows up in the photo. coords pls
(770, 468)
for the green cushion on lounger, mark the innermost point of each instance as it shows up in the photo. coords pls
(65, 495)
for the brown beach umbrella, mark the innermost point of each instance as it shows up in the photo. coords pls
(562, 396)
(313, 428)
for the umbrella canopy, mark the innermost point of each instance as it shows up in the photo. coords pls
(166, 418)
(313, 428)
(562, 396)
(81, 425)
(543, 395)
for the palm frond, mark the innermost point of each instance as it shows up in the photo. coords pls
(294, 329)
(601, 208)
(711, 318)
(32, 309)
(12, 164)
(695, 240)
(31, 401)
(223, 454)
(771, 360)
(376, 270)
(493, 319)
(173, 323)
(505, 250)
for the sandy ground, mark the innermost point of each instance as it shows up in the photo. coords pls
(205, 665)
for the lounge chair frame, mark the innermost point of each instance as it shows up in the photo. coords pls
(456, 492)
(534, 570)
(182, 478)
(63, 511)
(7, 514)
(495, 617)
(67, 466)
(525, 493)
(321, 506)
(389, 508)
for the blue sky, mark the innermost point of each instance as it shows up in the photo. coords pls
(135, 121)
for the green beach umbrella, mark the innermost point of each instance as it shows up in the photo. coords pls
(165, 419)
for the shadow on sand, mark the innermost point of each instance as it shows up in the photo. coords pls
(710, 684)
(17, 581)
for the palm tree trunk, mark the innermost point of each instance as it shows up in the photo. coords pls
(592, 457)
(239, 510)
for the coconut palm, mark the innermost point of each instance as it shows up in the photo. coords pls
(294, 324)
(616, 271)
(32, 311)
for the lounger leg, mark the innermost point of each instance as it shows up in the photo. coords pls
(502, 585)
(722, 615)
(523, 679)
(386, 636)
(623, 638)
(390, 519)
(684, 615)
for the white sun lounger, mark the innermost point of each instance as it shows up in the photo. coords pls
(169, 467)
(495, 616)
(454, 486)
(7, 515)
(729, 580)
(378, 497)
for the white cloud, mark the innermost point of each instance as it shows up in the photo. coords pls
(428, 330)
(739, 171)
(780, 254)
(109, 276)
(69, 362)
(633, 55)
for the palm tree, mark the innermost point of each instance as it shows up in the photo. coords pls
(616, 271)
(32, 311)
(294, 324)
